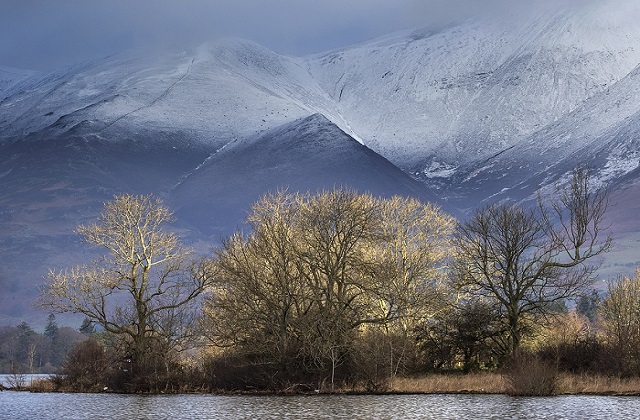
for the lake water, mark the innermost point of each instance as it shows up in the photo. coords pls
(24, 405)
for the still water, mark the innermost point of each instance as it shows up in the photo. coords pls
(24, 405)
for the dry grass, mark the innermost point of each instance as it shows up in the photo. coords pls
(598, 384)
(477, 383)
(486, 382)
(494, 383)
(42, 385)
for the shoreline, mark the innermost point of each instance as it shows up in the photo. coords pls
(484, 383)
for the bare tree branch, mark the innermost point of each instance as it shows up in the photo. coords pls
(527, 260)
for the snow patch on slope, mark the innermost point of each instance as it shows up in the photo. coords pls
(467, 91)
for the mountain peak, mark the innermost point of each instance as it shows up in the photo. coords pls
(308, 154)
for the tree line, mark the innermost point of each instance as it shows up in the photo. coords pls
(23, 350)
(337, 288)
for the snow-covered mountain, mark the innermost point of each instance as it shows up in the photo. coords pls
(431, 100)
(211, 94)
(479, 110)
(603, 133)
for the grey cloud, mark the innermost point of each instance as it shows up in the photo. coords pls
(46, 34)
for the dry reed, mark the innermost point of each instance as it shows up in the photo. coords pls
(598, 384)
(42, 385)
(494, 383)
(485, 382)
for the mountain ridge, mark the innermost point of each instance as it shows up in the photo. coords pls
(309, 154)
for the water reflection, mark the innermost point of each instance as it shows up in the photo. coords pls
(21, 405)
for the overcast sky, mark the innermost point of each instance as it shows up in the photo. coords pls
(45, 34)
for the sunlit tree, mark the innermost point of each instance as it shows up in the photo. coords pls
(620, 311)
(144, 287)
(318, 270)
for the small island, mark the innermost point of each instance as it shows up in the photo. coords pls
(342, 292)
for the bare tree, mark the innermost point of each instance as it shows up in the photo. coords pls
(317, 270)
(620, 311)
(258, 296)
(294, 287)
(525, 260)
(335, 231)
(414, 253)
(143, 283)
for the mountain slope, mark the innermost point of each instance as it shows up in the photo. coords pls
(211, 94)
(48, 187)
(603, 133)
(433, 99)
(309, 154)
(9, 78)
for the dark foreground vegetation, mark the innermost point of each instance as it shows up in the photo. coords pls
(339, 291)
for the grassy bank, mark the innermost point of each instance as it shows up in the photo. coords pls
(495, 383)
(598, 384)
(488, 383)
